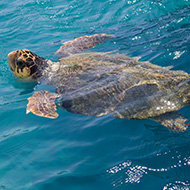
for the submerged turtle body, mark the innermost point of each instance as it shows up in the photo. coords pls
(104, 83)
(97, 84)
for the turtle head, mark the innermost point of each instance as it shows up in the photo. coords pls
(25, 64)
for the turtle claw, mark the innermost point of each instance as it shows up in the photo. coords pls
(80, 44)
(42, 104)
(173, 121)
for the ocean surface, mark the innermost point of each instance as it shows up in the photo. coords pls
(76, 152)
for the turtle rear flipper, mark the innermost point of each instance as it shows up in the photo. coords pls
(80, 44)
(42, 104)
(173, 121)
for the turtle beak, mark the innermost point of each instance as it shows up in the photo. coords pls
(11, 60)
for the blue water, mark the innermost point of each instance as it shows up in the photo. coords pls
(76, 152)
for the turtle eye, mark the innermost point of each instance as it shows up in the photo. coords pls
(20, 63)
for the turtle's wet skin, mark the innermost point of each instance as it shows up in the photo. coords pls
(98, 83)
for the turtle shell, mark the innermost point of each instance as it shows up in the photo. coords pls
(98, 84)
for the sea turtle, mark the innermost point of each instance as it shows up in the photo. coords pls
(96, 83)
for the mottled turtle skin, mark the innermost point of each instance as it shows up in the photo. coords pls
(95, 83)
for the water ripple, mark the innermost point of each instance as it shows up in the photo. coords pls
(74, 151)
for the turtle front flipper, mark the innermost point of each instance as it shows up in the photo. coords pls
(80, 44)
(173, 121)
(42, 103)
